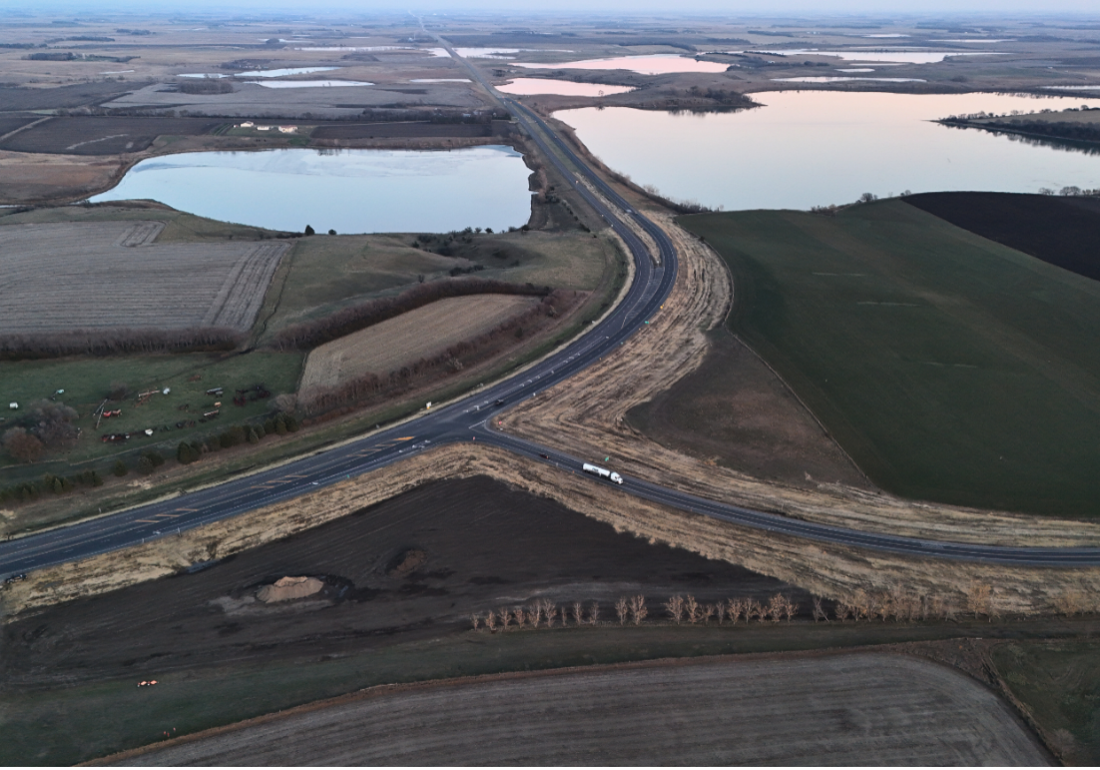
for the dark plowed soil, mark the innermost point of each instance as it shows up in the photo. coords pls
(77, 95)
(103, 136)
(10, 123)
(1063, 231)
(735, 410)
(411, 567)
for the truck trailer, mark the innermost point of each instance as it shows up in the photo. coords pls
(602, 473)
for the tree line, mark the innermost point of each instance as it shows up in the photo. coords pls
(310, 334)
(117, 341)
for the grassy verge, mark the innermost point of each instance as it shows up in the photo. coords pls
(950, 367)
(55, 727)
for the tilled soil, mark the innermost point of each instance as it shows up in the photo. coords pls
(856, 709)
(414, 566)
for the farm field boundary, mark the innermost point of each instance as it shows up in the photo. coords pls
(907, 710)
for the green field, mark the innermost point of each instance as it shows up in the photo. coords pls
(1059, 682)
(950, 367)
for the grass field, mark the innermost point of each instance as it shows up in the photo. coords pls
(1059, 682)
(324, 273)
(950, 367)
(420, 333)
(87, 382)
(839, 709)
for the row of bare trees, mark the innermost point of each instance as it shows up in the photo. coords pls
(310, 334)
(542, 613)
(116, 341)
(364, 389)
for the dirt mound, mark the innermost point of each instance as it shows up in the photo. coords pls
(286, 588)
(406, 562)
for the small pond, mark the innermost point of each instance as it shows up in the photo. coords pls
(528, 86)
(350, 191)
(814, 148)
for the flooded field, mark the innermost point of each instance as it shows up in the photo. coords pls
(350, 191)
(815, 148)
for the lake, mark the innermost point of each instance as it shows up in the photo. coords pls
(814, 148)
(652, 64)
(350, 191)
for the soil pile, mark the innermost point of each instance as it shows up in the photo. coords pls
(286, 588)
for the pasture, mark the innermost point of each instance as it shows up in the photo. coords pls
(116, 276)
(855, 709)
(950, 367)
(420, 333)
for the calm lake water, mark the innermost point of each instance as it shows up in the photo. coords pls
(350, 191)
(812, 148)
(654, 64)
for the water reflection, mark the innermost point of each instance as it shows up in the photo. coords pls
(655, 64)
(528, 86)
(811, 148)
(351, 191)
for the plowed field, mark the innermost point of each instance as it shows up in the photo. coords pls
(116, 277)
(409, 337)
(859, 709)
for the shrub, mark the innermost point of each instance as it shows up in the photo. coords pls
(120, 468)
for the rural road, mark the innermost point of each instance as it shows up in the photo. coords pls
(468, 420)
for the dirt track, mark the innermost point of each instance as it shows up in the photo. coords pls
(857, 709)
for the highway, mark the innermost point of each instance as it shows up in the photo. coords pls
(468, 420)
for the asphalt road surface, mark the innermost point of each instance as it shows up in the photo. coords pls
(468, 420)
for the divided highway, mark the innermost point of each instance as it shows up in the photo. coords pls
(468, 420)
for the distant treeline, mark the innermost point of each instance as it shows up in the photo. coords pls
(1083, 132)
(308, 335)
(108, 342)
(369, 387)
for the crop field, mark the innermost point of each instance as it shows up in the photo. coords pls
(950, 367)
(1059, 683)
(103, 135)
(116, 277)
(420, 333)
(857, 709)
(76, 95)
(10, 123)
(1060, 230)
(409, 129)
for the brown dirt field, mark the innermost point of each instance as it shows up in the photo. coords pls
(412, 567)
(409, 337)
(76, 95)
(588, 414)
(101, 135)
(116, 277)
(854, 709)
(750, 422)
(27, 177)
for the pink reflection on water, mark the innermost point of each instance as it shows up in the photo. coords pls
(527, 86)
(654, 64)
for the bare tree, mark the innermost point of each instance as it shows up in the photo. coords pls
(520, 614)
(578, 613)
(475, 619)
(534, 613)
(845, 610)
(709, 611)
(491, 621)
(622, 609)
(675, 608)
(720, 612)
(775, 608)
(505, 618)
(735, 608)
(790, 608)
(884, 606)
(691, 608)
(819, 611)
(638, 610)
(594, 613)
(979, 599)
(756, 610)
(22, 446)
(551, 614)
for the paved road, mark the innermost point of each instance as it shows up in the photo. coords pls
(468, 420)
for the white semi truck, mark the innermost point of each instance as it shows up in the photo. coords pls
(603, 473)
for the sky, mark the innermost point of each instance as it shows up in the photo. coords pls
(621, 7)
